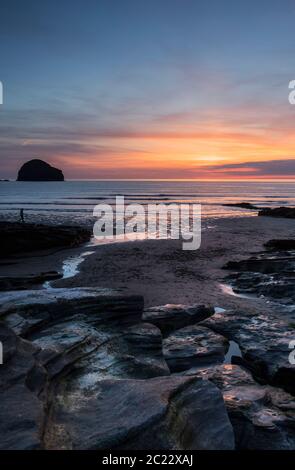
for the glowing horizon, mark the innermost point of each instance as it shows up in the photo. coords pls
(163, 95)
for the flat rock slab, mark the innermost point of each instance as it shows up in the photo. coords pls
(23, 311)
(161, 413)
(171, 317)
(193, 346)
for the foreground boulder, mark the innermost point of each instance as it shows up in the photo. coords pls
(193, 346)
(179, 413)
(91, 375)
(170, 317)
(38, 170)
(263, 417)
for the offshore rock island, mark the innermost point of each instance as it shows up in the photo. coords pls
(38, 170)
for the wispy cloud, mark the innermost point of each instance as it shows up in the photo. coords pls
(278, 168)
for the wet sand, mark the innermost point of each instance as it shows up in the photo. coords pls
(159, 269)
(163, 273)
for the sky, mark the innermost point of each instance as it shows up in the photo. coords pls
(137, 89)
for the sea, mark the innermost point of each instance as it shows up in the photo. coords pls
(72, 202)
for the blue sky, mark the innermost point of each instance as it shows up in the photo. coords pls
(162, 88)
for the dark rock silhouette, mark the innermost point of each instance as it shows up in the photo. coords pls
(287, 212)
(287, 244)
(242, 205)
(24, 237)
(8, 283)
(38, 170)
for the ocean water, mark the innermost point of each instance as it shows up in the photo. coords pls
(72, 202)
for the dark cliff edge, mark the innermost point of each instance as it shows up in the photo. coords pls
(23, 237)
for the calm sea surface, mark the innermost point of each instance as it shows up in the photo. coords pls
(73, 201)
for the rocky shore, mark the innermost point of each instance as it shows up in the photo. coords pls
(91, 369)
(110, 368)
(83, 371)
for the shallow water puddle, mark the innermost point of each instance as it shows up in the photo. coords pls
(227, 289)
(219, 310)
(233, 350)
(70, 267)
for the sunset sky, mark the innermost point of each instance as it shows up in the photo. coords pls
(148, 88)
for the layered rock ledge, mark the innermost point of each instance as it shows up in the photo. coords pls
(85, 369)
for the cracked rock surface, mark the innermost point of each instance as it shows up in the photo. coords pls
(83, 371)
